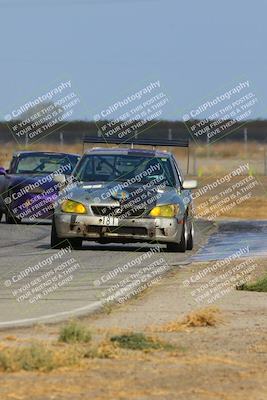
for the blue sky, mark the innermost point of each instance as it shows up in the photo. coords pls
(112, 48)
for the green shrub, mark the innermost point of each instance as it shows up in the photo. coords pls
(138, 341)
(259, 286)
(74, 333)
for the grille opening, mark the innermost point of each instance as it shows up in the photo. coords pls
(118, 211)
(121, 230)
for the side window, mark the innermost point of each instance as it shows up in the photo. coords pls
(178, 172)
(86, 169)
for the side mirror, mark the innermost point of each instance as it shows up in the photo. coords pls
(3, 171)
(190, 184)
(60, 178)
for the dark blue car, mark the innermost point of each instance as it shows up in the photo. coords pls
(28, 189)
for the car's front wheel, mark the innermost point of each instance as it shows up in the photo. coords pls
(180, 247)
(191, 234)
(60, 243)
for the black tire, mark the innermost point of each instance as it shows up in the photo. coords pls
(55, 241)
(180, 247)
(76, 243)
(11, 219)
(104, 241)
(190, 239)
(60, 243)
(1, 215)
(10, 216)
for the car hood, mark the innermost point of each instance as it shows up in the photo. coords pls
(45, 181)
(92, 193)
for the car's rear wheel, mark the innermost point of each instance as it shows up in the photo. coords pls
(180, 247)
(60, 243)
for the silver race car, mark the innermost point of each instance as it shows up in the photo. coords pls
(125, 195)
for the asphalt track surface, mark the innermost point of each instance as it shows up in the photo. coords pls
(81, 281)
(76, 282)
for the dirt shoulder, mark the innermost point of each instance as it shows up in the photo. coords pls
(225, 361)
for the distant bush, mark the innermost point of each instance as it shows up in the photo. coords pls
(259, 286)
(33, 357)
(74, 333)
(138, 341)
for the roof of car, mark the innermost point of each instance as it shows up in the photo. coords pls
(18, 153)
(127, 151)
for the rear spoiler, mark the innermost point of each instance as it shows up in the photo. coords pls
(140, 141)
(137, 141)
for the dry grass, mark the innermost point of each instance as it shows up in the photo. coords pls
(210, 316)
(45, 357)
(205, 317)
(36, 357)
(230, 149)
(224, 150)
(11, 338)
(105, 349)
(254, 208)
(75, 351)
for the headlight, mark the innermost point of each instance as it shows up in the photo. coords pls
(70, 206)
(167, 211)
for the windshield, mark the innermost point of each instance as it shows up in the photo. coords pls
(45, 164)
(122, 168)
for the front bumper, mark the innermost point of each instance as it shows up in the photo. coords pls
(162, 230)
